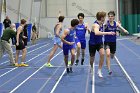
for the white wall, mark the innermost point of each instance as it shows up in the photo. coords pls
(12, 10)
(49, 23)
(50, 8)
(18, 9)
(73, 7)
(35, 12)
(0, 10)
(25, 9)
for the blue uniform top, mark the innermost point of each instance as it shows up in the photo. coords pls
(70, 36)
(96, 39)
(80, 31)
(60, 32)
(109, 28)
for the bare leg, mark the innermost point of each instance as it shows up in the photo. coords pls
(16, 59)
(101, 61)
(78, 52)
(55, 47)
(83, 56)
(72, 59)
(66, 60)
(72, 56)
(108, 58)
(24, 51)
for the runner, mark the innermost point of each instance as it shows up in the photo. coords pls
(68, 38)
(80, 38)
(57, 40)
(110, 41)
(96, 42)
(20, 44)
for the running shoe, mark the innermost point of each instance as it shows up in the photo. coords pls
(68, 71)
(48, 65)
(23, 65)
(76, 63)
(82, 62)
(100, 74)
(71, 70)
(109, 72)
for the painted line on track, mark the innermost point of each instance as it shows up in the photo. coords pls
(134, 87)
(27, 53)
(26, 62)
(12, 91)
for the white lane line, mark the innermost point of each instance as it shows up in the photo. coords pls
(93, 79)
(12, 78)
(134, 87)
(30, 76)
(7, 72)
(130, 50)
(122, 39)
(87, 80)
(54, 87)
(43, 86)
(20, 73)
(27, 53)
(26, 62)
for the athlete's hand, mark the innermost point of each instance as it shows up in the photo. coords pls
(24, 37)
(111, 33)
(71, 43)
(17, 43)
(126, 32)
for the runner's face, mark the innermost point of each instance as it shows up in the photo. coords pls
(111, 17)
(81, 18)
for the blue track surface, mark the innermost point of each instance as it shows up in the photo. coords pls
(39, 79)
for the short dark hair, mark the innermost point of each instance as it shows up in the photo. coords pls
(61, 18)
(23, 21)
(81, 14)
(111, 12)
(99, 15)
(74, 22)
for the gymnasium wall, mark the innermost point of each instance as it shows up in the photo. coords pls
(70, 9)
(46, 18)
(130, 15)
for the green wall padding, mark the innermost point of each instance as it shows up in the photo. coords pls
(131, 22)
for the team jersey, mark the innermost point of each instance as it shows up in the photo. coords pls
(109, 28)
(70, 36)
(80, 31)
(96, 39)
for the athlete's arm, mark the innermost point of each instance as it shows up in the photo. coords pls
(96, 27)
(58, 28)
(17, 37)
(87, 27)
(122, 29)
(65, 33)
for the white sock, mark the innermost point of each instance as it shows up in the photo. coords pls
(99, 70)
